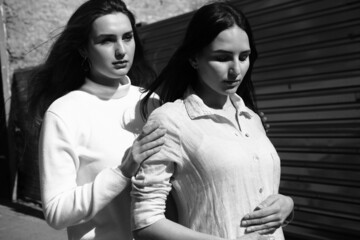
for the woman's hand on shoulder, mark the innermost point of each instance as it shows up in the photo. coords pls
(269, 215)
(145, 145)
(264, 121)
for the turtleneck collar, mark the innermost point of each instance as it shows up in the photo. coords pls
(106, 92)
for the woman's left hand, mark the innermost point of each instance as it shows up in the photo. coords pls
(269, 215)
(145, 145)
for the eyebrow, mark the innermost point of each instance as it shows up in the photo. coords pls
(104, 35)
(112, 34)
(225, 51)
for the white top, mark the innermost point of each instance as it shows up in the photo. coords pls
(83, 139)
(216, 172)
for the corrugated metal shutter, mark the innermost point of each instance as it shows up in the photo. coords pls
(307, 82)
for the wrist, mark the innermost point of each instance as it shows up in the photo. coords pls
(124, 170)
(290, 217)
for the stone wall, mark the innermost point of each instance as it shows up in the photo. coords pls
(32, 24)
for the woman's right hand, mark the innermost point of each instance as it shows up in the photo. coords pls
(264, 121)
(145, 145)
(269, 215)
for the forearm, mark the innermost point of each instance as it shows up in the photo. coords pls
(66, 206)
(165, 229)
(290, 216)
(71, 195)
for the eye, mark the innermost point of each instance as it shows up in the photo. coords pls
(106, 40)
(222, 58)
(243, 57)
(128, 37)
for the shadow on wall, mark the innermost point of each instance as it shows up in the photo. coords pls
(5, 191)
(24, 167)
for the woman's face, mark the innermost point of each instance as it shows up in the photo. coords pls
(222, 65)
(110, 49)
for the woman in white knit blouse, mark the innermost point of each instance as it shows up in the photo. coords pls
(88, 109)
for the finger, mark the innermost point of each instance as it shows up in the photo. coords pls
(260, 217)
(150, 145)
(154, 136)
(267, 127)
(269, 201)
(258, 213)
(143, 156)
(264, 228)
(149, 127)
(267, 231)
(261, 221)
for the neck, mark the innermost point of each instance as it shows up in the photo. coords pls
(106, 92)
(213, 100)
(107, 81)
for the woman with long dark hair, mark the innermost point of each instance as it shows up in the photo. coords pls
(220, 166)
(84, 101)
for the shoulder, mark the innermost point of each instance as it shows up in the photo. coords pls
(137, 93)
(140, 93)
(256, 119)
(170, 115)
(169, 111)
(71, 106)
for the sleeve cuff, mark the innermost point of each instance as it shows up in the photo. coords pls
(289, 219)
(145, 222)
(117, 171)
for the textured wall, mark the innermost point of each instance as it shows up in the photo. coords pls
(31, 24)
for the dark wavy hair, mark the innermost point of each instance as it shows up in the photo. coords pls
(63, 72)
(205, 25)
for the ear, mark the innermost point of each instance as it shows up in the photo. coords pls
(193, 62)
(83, 52)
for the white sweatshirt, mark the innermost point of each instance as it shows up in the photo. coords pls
(83, 140)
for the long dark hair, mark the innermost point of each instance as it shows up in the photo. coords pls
(63, 72)
(203, 28)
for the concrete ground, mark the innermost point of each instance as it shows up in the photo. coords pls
(22, 222)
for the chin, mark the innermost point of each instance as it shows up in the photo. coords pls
(121, 73)
(231, 91)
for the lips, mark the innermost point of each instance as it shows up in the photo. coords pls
(120, 64)
(232, 82)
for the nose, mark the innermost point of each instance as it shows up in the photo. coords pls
(235, 70)
(119, 51)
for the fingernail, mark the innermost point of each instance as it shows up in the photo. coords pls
(259, 207)
(243, 223)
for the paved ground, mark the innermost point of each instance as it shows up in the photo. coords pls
(22, 222)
